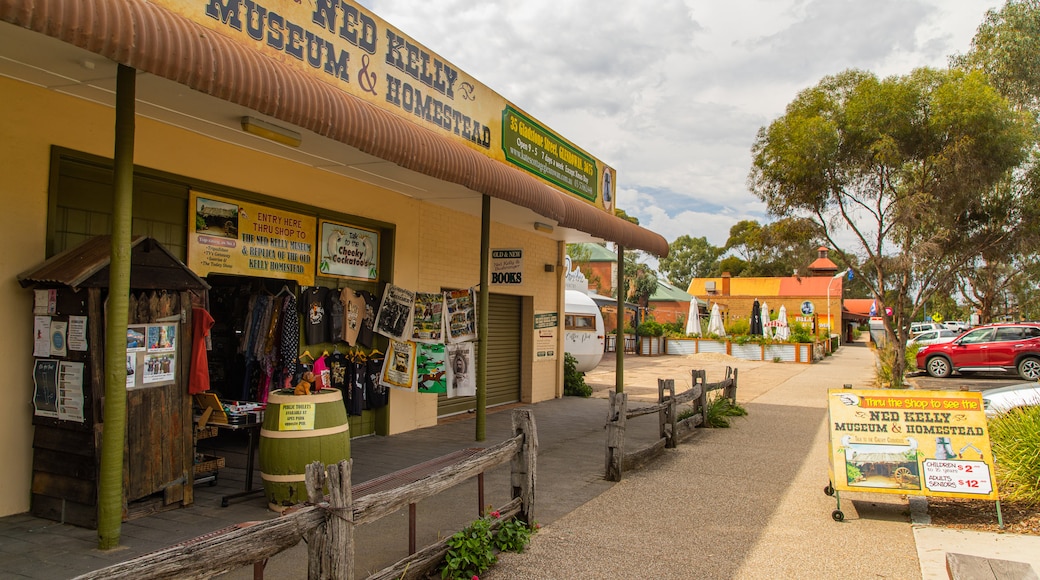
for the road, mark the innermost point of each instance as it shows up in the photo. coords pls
(974, 381)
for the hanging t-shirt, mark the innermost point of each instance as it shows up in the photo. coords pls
(354, 314)
(377, 395)
(290, 342)
(337, 363)
(198, 380)
(366, 334)
(321, 374)
(358, 373)
(334, 310)
(315, 318)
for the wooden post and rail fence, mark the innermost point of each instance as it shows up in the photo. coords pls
(672, 431)
(327, 522)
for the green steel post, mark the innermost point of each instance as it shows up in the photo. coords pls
(482, 318)
(110, 486)
(619, 360)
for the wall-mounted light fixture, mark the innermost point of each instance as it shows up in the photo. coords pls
(543, 227)
(267, 130)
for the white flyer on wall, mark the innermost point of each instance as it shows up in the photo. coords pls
(70, 391)
(77, 333)
(58, 329)
(41, 336)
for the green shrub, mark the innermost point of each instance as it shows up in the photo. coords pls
(1016, 447)
(471, 551)
(911, 356)
(801, 332)
(739, 326)
(650, 328)
(573, 381)
(720, 409)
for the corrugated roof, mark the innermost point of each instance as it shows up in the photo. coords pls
(86, 265)
(668, 293)
(598, 253)
(150, 38)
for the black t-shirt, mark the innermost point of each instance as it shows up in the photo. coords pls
(365, 335)
(335, 314)
(315, 315)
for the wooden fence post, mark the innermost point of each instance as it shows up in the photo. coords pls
(700, 377)
(616, 435)
(731, 388)
(666, 417)
(330, 546)
(524, 463)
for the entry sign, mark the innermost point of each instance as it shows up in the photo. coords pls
(507, 267)
(932, 443)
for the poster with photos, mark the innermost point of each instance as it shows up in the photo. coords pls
(461, 378)
(160, 368)
(162, 337)
(399, 365)
(394, 319)
(460, 315)
(428, 317)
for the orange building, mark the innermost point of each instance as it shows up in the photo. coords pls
(814, 300)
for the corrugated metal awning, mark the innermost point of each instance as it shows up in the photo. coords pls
(150, 38)
(153, 267)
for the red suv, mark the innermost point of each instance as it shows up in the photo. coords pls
(1013, 348)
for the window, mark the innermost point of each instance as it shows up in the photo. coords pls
(579, 322)
(977, 336)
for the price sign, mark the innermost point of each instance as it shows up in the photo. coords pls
(972, 477)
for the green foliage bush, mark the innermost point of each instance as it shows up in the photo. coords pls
(739, 326)
(801, 332)
(1016, 446)
(650, 328)
(720, 409)
(472, 550)
(573, 381)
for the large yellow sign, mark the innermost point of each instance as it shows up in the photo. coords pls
(910, 442)
(227, 236)
(343, 44)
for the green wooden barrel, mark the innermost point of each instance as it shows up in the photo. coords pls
(297, 431)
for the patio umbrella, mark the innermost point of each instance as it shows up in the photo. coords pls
(756, 319)
(693, 321)
(783, 332)
(767, 327)
(715, 325)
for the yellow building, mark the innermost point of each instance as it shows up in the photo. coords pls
(311, 119)
(814, 300)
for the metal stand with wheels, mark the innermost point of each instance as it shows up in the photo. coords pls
(837, 514)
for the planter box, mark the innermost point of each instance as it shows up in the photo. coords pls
(785, 352)
(651, 345)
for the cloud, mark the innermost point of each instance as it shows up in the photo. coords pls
(672, 92)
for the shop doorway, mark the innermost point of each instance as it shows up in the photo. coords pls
(503, 358)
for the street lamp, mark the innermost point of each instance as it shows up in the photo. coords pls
(833, 278)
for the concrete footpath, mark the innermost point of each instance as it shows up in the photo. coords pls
(744, 502)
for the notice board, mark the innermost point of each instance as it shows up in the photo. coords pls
(910, 442)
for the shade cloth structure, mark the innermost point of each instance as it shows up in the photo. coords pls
(693, 321)
(715, 325)
(767, 329)
(783, 331)
(756, 319)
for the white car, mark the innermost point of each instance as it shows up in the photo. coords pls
(1003, 399)
(919, 327)
(934, 336)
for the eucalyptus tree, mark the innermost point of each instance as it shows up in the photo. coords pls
(690, 258)
(898, 175)
(1006, 47)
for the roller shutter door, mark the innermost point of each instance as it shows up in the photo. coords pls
(503, 358)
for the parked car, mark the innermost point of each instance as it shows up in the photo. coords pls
(919, 327)
(934, 337)
(1013, 348)
(956, 325)
(1002, 400)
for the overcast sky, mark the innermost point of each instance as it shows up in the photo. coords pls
(672, 92)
